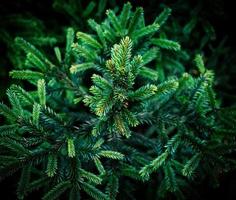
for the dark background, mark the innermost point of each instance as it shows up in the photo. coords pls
(220, 13)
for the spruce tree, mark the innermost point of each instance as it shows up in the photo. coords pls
(109, 113)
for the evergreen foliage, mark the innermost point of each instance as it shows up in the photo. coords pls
(116, 107)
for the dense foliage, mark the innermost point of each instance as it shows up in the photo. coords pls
(116, 107)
